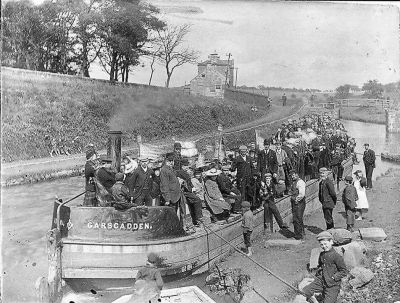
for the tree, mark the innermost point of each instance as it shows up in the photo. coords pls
(343, 91)
(172, 53)
(373, 89)
(124, 31)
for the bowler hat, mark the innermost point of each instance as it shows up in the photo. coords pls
(90, 154)
(177, 145)
(325, 235)
(348, 178)
(366, 144)
(267, 142)
(246, 204)
(152, 258)
(169, 157)
(185, 162)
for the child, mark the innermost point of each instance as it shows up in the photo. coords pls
(150, 271)
(331, 271)
(349, 198)
(247, 224)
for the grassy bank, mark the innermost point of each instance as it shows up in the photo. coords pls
(363, 114)
(35, 106)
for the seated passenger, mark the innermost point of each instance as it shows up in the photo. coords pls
(197, 182)
(120, 193)
(155, 191)
(213, 197)
(228, 191)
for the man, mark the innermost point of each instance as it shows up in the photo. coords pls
(267, 162)
(298, 203)
(140, 183)
(284, 99)
(177, 156)
(268, 195)
(228, 191)
(170, 187)
(284, 166)
(242, 165)
(369, 163)
(327, 197)
(349, 198)
(106, 174)
(90, 169)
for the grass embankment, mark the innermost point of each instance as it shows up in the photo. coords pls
(65, 107)
(364, 114)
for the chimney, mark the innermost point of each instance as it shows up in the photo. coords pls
(114, 148)
(214, 58)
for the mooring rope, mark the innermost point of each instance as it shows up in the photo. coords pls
(254, 261)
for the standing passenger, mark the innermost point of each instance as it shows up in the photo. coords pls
(247, 225)
(140, 183)
(90, 169)
(327, 197)
(369, 163)
(349, 198)
(298, 202)
(242, 164)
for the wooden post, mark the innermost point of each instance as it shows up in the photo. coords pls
(139, 141)
(114, 149)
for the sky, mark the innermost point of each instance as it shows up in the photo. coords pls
(288, 44)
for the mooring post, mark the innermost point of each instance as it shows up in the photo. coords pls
(114, 148)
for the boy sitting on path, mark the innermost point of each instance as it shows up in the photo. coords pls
(247, 224)
(331, 270)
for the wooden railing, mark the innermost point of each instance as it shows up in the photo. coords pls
(383, 103)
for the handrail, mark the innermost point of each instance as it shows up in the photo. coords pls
(62, 204)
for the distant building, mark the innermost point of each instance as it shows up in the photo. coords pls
(212, 75)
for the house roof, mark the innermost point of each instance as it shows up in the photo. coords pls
(219, 62)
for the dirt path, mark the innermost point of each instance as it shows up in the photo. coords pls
(20, 170)
(290, 262)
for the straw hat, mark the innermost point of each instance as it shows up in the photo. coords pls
(212, 172)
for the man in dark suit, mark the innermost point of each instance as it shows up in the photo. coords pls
(369, 163)
(228, 190)
(177, 156)
(140, 183)
(267, 162)
(327, 197)
(242, 165)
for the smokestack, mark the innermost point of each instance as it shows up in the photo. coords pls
(114, 148)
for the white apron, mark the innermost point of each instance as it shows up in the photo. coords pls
(362, 201)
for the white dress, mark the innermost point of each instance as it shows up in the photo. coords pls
(362, 201)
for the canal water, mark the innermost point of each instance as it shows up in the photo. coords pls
(27, 211)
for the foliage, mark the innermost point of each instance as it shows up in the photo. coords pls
(373, 89)
(35, 108)
(343, 91)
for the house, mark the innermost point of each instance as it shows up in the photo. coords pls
(213, 75)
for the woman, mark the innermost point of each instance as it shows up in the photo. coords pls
(213, 197)
(360, 184)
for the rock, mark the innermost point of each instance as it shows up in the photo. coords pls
(300, 299)
(341, 236)
(353, 254)
(212, 278)
(361, 276)
(229, 281)
(303, 283)
(373, 234)
(279, 242)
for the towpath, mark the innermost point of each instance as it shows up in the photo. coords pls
(33, 170)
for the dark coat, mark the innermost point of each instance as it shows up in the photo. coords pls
(138, 179)
(120, 192)
(106, 177)
(224, 184)
(267, 162)
(169, 185)
(369, 158)
(268, 192)
(243, 167)
(177, 161)
(327, 194)
(324, 159)
(89, 175)
(332, 267)
(349, 197)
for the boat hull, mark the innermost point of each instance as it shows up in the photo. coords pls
(101, 258)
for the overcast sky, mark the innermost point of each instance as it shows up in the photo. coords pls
(288, 44)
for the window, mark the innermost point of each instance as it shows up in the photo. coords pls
(203, 75)
(217, 86)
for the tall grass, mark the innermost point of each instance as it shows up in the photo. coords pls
(38, 105)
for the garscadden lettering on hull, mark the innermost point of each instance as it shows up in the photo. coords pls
(119, 226)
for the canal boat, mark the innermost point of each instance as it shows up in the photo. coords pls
(95, 248)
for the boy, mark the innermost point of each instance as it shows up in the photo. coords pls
(331, 271)
(247, 224)
(150, 271)
(349, 198)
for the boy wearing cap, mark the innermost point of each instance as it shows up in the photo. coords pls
(331, 270)
(349, 198)
(119, 190)
(150, 272)
(247, 225)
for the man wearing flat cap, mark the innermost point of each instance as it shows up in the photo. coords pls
(327, 197)
(349, 198)
(140, 183)
(242, 164)
(369, 164)
(267, 162)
